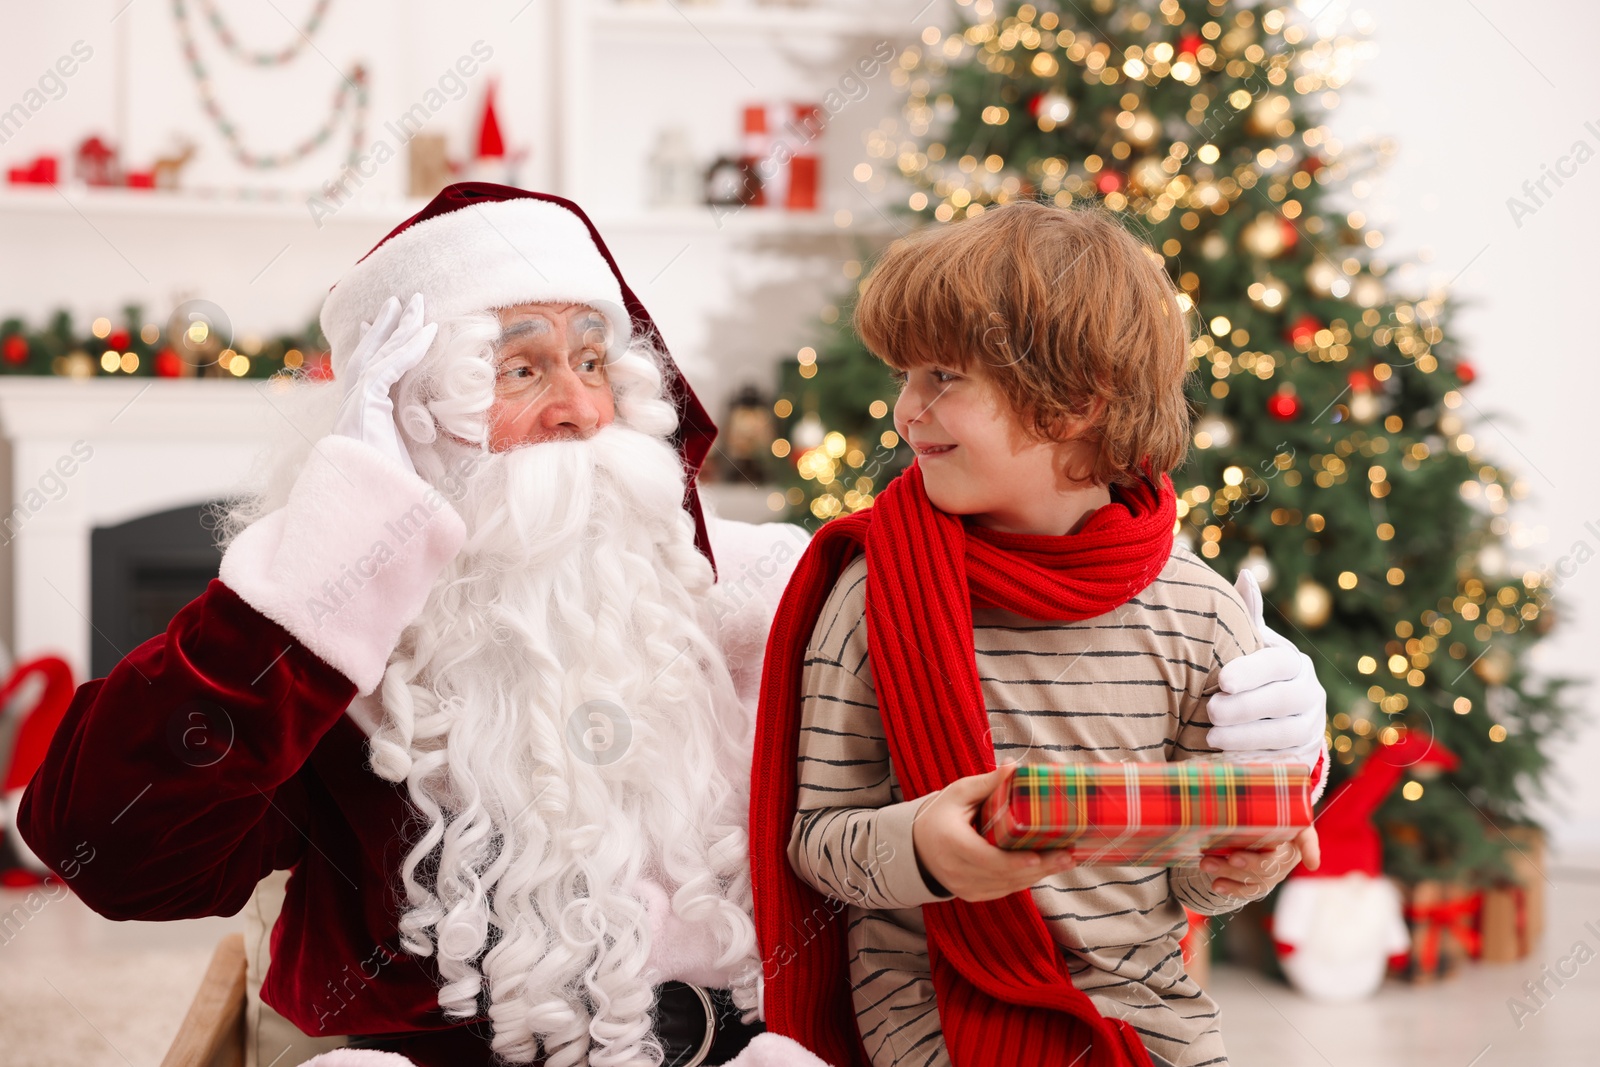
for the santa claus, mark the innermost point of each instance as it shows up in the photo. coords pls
(465, 672)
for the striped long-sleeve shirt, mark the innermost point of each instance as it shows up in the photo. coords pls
(1128, 685)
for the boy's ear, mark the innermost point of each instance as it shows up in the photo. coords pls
(1079, 458)
(1078, 441)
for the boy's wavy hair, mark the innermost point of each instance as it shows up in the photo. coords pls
(1067, 312)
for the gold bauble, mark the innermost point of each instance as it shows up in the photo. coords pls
(1149, 176)
(1312, 603)
(1264, 236)
(1365, 405)
(1368, 291)
(1268, 112)
(1325, 279)
(1144, 129)
(1494, 666)
(78, 365)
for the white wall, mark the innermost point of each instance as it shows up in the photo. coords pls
(1479, 97)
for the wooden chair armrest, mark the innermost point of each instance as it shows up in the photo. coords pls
(212, 1033)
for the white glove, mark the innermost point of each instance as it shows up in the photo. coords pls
(388, 348)
(1270, 705)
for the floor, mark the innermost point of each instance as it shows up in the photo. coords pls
(1464, 1022)
(78, 990)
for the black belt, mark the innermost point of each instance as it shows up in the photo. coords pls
(698, 1026)
(695, 1026)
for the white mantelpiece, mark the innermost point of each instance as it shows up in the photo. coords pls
(152, 444)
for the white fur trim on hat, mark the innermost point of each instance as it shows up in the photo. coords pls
(486, 255)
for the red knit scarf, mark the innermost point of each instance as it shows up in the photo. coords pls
(1004, 994)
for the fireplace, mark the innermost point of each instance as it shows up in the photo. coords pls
(140, 573)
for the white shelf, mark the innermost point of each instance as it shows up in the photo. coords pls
(742, 221)
(742, 19)
(112, 203)
(105, 203)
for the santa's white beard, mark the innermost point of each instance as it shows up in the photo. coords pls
(565, 726)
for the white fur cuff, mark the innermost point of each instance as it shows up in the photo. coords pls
(359, 1057)
(1320, 782)
(347, 563)
(770, 1050)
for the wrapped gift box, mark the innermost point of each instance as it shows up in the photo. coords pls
(1148, 814)
(1443, 917)
(1513, 913)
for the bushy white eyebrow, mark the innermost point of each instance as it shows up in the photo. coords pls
(517, 329)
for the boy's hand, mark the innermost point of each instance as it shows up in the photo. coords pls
(1251, 874)
(950, 848)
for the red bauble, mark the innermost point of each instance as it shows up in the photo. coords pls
(1108, 182)
(1189, 44)
(1304, 329)
(119, 340)
(168, 364)
(1362, 381)
(1466, 372)
(1311, 164)
(1033, 104)
(1290, 235)
(16, 349)
(1283, 406)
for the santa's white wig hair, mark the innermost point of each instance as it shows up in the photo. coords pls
(562, 719)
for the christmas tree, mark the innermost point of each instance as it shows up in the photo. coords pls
(1332, 452)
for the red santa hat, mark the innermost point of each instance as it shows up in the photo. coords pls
(478, 246)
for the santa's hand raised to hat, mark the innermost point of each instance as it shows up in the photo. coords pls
(395, 342)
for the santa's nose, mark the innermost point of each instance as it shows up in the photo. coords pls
(569, 408)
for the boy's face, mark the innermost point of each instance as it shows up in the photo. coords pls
(975, 455)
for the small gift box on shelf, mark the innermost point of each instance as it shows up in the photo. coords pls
(1443, 917)
(1147, 814)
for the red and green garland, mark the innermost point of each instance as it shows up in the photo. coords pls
(133, 347)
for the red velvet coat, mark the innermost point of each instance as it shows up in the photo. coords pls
(209, 757)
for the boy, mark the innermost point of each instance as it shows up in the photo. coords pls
(1018, 596)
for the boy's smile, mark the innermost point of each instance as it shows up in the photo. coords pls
(977, 460)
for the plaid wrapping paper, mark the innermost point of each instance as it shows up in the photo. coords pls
(1147, 814)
